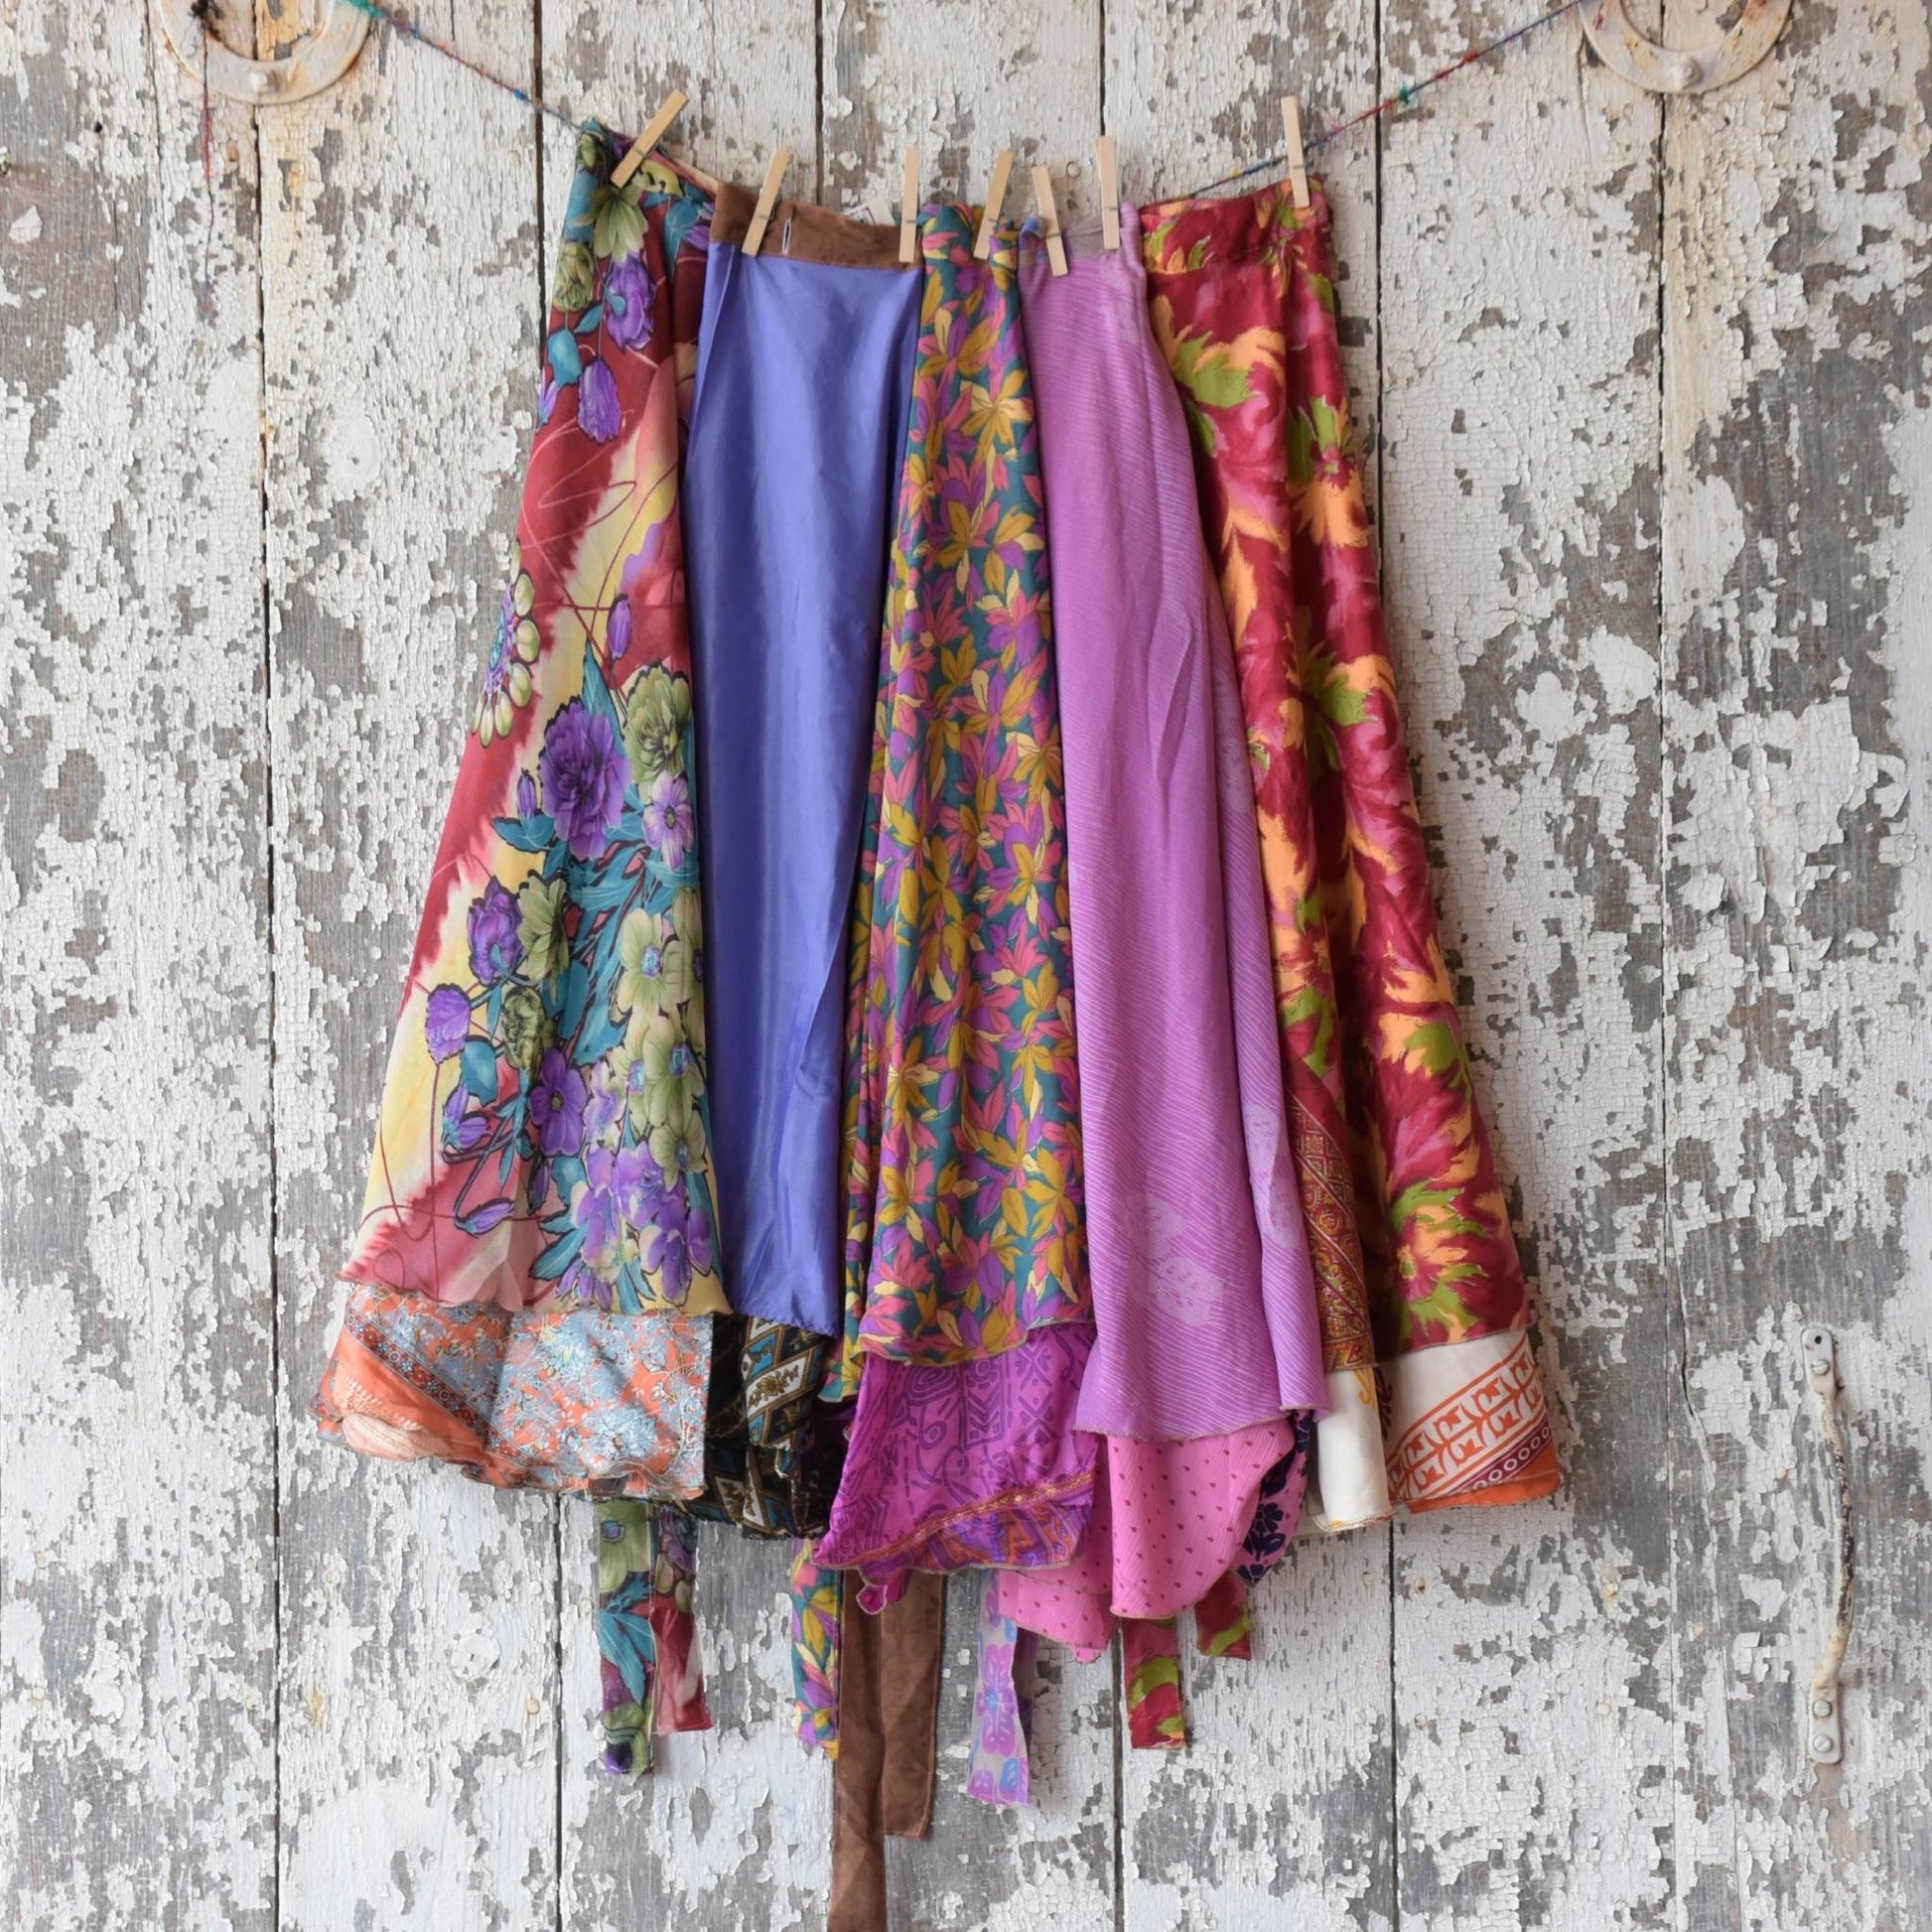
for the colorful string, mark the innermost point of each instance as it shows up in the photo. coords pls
(1393, 104)
(389, 17)
(1403, 98)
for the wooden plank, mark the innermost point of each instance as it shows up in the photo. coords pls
(1193, 106)
(419, 1697)
(746, 67)
(1291, 1755)
(961, 82)
(1798, 524)
(1520, 474)
(1278, 1812)
(733, 1828)
(137, 1499)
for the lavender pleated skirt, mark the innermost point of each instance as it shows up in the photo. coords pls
(1203, 1296)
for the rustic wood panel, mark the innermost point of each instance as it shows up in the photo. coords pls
(419, 1725)
(137, 1604)
(960, 81)
(1520, 472)
(1650, 391)
(1797, 532)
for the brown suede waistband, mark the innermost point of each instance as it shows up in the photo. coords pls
(802, 232)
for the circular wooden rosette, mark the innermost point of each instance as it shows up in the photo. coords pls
(1683, 69)
(316, 63)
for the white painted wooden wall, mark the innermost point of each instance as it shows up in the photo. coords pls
(1650, 385)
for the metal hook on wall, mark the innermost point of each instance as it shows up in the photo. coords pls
(1683, 70)
(316, 63)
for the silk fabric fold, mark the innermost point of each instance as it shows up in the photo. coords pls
(804, 373)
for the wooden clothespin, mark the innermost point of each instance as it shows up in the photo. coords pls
(1109, 163)
(996, 199)
(655, 129)
(1049, 220)
(767, 200)
(1298, 160)
(908, 208)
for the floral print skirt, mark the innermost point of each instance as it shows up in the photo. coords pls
(1433, 1398)
(844, 1291)
(968, 1320)
(537, 1258)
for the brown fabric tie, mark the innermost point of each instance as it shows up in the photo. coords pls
(889, 1711)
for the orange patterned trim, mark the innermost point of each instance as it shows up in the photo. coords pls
(1487, 1440)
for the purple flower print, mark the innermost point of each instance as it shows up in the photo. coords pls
(557, 1105)
(548, 390)
(626, 303)
(639, 1186)
(582, 1283)
(597, 412)
(594, 1210)
(446, 1023)
(603, 1108)
(462, 1129)
(664, 1251)
(496, 950)
(668, 818)
(677, 1241)
(526, 797)
(697, 1238)
(582, 770)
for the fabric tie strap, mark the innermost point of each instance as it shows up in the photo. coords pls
(646, 1630)
(888, 1729)
(1002, 1709)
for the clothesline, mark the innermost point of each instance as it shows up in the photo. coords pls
(387, 16)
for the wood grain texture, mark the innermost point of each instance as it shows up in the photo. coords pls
(1649, 389)
(960, 82)
(1798, 469)
(1520, 474)
(419, 1726)
(137, 1604)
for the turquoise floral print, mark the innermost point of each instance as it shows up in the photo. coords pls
(545, 1132)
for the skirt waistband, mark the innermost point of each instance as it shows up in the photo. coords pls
(802, 232)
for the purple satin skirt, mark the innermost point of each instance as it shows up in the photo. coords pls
(803, 382)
